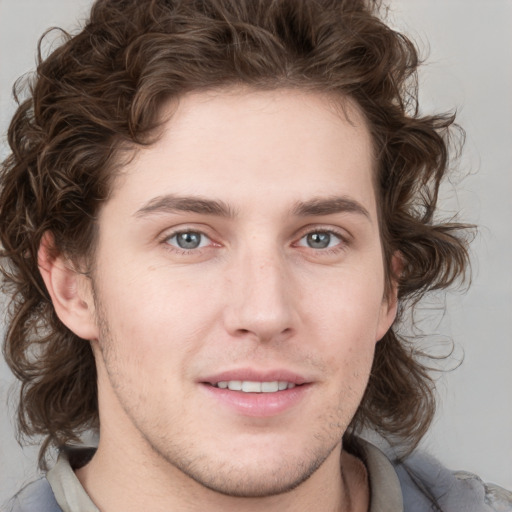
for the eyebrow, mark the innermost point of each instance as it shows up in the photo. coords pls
(329, 206)
(171, 203)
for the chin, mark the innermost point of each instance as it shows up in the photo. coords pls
(259, 481)
(264, 473)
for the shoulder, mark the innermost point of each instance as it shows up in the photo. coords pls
(35, 497)
(424, 481)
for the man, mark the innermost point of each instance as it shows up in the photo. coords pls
(210, 217)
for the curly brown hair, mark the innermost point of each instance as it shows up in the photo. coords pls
(101, 91)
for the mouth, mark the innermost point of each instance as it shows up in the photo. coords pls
(258, 394)
(252, 386)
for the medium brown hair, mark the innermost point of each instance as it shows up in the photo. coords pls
(102, 89)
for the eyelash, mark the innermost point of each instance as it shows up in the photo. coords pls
(182, 251)
(341, 246)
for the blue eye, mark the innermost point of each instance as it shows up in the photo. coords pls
(320, 240)
(188, 240)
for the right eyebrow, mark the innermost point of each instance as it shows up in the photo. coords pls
(171, 203)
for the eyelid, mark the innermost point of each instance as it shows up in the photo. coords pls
(170, 231)
(341, 233)
(167, 234)
(337, 250)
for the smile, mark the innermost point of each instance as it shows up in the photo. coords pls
(248, 386)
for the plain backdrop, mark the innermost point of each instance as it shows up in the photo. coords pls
(469, 68)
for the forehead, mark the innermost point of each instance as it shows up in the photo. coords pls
(235, 144)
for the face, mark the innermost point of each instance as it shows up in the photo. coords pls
(239, 290)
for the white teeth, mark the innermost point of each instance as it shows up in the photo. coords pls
(235, 385)
(251, 387)
(248, 386)
(270, 387)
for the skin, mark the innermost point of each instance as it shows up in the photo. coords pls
(260, 293)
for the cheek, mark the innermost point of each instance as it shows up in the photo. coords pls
(155, 320)
(344, 321)
(348, 303)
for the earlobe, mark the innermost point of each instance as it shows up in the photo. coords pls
(70, 290)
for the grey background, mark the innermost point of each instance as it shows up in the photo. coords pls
(470, 67)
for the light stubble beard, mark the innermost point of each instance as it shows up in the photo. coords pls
(222, 477)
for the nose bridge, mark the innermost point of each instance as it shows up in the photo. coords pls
(261, 301)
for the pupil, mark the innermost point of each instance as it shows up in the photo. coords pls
(319, 240)
(189, 240)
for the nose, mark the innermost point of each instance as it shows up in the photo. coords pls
(261, 302)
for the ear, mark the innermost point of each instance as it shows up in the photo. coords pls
(70, 290)
(389, 305)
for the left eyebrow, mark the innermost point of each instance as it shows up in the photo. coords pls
(329, 206)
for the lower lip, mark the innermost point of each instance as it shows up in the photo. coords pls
(259, 404)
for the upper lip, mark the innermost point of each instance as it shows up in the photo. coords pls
(248, 374)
